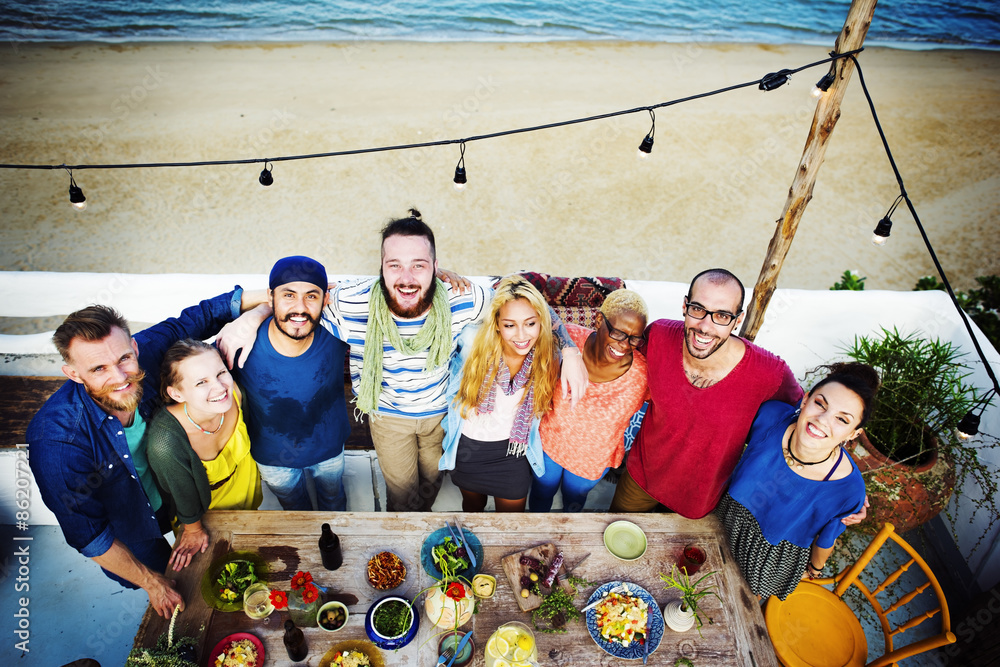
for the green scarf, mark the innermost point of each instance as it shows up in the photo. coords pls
(434, 336)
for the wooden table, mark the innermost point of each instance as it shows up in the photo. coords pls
(288, 540)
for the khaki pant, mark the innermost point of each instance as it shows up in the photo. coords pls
(408, 453)
(630, 497)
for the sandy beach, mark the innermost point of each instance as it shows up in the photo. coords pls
(570, 201)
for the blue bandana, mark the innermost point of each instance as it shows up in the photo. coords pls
(298, 269)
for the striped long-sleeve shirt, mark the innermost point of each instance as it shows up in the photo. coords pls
(407, 389)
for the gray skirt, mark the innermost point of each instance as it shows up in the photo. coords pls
(485, 467)
(770, 569)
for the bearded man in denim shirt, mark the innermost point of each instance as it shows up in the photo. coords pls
(87, 450)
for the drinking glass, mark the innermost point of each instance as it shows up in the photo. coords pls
(257, 601)
(514, 642)
(692, 557)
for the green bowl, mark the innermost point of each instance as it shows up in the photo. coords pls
(210, 589)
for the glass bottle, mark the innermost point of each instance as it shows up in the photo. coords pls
(329, 549)
(295, 642)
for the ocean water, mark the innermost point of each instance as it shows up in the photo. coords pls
(901, 23)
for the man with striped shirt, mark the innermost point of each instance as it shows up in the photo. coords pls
(402, 328)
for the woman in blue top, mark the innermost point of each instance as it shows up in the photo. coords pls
(795, 482)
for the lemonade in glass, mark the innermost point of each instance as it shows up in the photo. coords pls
(512, 645)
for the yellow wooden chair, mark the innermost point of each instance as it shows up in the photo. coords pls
(814, 627)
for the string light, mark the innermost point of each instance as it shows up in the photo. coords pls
(884, 226)
(775, 79)
(76, 196)
(824, 84)
(969, 422)
(969, 426)
(460, 180)
(646, 147)
(769, 82)
(265, 176)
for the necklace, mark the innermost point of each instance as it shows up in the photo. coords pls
(198, 426)
(794, 461)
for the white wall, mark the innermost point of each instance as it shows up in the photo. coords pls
(806, 328)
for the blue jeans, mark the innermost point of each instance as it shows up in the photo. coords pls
(289, 485)
(574, 488)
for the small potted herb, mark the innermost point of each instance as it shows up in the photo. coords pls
(682, 614)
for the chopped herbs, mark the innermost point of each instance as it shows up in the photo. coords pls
(392, 618)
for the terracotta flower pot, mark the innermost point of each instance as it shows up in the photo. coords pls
(904, 495)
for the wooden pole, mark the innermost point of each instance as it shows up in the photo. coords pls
(852, 37)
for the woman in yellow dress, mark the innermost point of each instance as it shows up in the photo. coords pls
(198, 446)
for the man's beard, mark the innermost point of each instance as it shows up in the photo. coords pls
(422, 306)
(103, 396)
(314, 321)
(701, 354)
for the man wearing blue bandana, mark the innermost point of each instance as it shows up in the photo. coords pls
(293, 384)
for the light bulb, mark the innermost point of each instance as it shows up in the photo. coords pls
(265, 177)
(823, 84)
(645, 148)
(76, 197)
(460, 179)
(881, 233)
(969, 426)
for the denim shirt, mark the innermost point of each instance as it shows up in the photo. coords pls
(452, 423)
(80, 457)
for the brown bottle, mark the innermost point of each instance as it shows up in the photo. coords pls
(329, 549)
(295, 642)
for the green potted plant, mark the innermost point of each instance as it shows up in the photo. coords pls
(681, 615)
(910, 453)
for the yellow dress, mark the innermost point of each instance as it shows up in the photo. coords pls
(233, 475)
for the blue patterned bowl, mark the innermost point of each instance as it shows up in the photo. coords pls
(391, 643)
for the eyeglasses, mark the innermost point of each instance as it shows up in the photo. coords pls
(618, 335)
(698, 312)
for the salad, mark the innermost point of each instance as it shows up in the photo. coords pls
(622, 619)
(452, 556)
(350, 659)
(241, 653)
(234, 578)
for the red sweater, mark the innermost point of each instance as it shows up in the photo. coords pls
(691, 438)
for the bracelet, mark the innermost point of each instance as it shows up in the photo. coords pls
(813, 567)
(570, 348)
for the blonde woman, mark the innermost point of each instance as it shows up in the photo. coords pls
(502, 382)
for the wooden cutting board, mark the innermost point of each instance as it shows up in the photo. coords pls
(514, 570)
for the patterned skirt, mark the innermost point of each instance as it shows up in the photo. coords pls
(770, 569)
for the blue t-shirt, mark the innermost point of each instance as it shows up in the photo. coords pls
(296, 413)
(786, 505)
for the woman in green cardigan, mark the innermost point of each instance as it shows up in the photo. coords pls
(198, 446)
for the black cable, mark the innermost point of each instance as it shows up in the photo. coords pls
(920, 227)
(428, 144)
